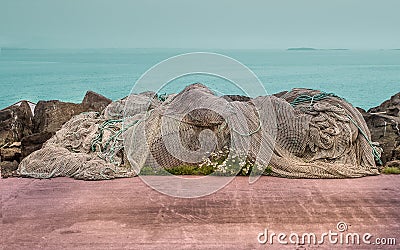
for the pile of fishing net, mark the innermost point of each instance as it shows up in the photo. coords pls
(302, 134)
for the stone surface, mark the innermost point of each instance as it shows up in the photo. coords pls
(393, 164)
(8, 168)
(239, 98)
(384, 124)
(34, 142)
(51, 115)
(95, 102)
(280, 94)
(10, 154)
(396, 153)
(383, 129)
(63, 213)
(389, 107)
(15, 123)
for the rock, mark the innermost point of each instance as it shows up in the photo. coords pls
(384, 124)
(362, 111)
(238, 98)
(396, 153)
(51, 115)
(389, 107)
(31, 143)
(384, 130)
(393, 164)
(280, 94)
(10, 154)
(15, 123)
(8, 168)
(95, 102)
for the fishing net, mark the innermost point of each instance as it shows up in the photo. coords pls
(302, 134)
(89, 146)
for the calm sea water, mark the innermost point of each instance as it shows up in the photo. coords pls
(364, 78)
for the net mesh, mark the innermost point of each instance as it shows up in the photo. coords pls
(320, 137)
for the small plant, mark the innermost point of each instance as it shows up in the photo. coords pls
(268, 170)
(391, 170)
(147, 170)
(191, 170)
(220, 163)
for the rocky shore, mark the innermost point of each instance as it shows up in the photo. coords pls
(24, 127)
(23, 131)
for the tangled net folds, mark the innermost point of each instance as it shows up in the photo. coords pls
(302, 134)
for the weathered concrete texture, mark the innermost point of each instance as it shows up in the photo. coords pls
(126, 213)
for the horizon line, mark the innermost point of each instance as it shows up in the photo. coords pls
(189, 48)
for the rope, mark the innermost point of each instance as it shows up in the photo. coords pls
(374, 152)
(306, 98)
(110, 147)
(162, 97)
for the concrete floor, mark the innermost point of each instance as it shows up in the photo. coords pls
(127, 214)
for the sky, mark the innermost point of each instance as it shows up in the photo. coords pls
(222, 24)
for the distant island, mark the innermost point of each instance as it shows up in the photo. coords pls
(311, 49)
(301, 49)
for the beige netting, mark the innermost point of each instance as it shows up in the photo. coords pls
(317, 139)
(89, 146)
(321, 137)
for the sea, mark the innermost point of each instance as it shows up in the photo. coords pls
(365, 78)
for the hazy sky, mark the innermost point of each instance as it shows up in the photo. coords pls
(200, 24)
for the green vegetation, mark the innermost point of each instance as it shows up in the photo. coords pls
(202, 170)
(391, 170)
(268, 170)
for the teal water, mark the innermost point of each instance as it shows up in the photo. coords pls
(364, 78)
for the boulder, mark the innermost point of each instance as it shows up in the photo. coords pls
(31, 143)
(15, 122)
(238, 98)
(396, 153)
(8, 168)
(393, 164)
(389, 107)
(95, 102)
(51, 115)
(384, 129)
(10, 154)
(384, 124)
(280, 94)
